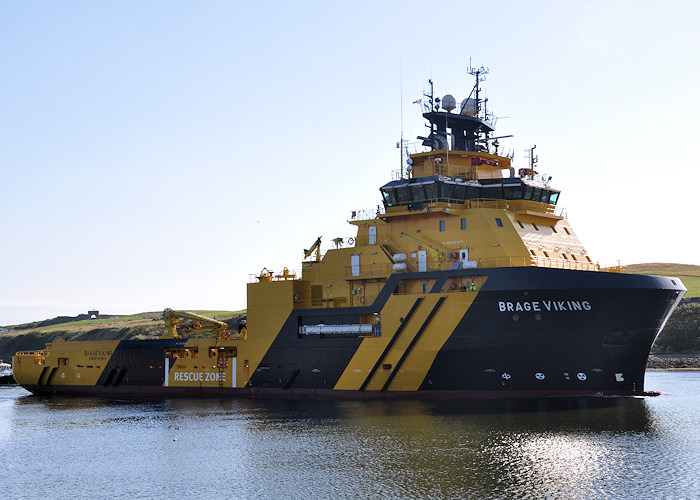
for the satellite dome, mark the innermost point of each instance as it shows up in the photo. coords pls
(468, 107)
(449, 103)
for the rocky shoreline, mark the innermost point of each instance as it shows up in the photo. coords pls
(673, 362)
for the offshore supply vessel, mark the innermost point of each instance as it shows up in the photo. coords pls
(466, 283)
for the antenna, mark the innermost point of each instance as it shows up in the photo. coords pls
(431, 100)
(480, 75)
(401, 94)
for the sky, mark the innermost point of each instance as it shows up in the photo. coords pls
(158, 153)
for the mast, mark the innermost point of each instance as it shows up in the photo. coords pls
(401, 98)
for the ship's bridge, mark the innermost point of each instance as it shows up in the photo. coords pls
(414, 192)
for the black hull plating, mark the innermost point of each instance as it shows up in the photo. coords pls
(144, 391)
(591, 332)
(530, 332)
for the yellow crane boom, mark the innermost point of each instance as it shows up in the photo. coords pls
(176, 329)
(316, 246)
(438, 255)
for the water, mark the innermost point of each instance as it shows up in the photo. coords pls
(90, 448)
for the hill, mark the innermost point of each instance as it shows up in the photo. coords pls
(148, 325)
(688, 274)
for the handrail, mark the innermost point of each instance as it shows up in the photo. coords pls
(35, 354)
(293, 275)
(370, 270)
(367, 213)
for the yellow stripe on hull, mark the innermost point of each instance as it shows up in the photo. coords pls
(412, 372)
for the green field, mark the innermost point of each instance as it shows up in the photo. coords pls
(688, 274)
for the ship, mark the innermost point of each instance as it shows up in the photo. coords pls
(6, 377)
(466, 282)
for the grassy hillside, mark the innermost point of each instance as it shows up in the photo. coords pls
(688, 274)
(33, 336)
(682, 332)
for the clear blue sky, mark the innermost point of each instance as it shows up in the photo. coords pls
(155, 154)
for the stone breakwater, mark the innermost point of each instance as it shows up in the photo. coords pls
(673, 362)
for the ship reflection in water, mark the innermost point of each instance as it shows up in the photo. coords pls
(623, 448)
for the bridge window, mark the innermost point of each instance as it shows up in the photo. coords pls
(460, 192)
(431, 190)
(403, 194)
(452, 190)
(495, 192)
(512, 192)
(447, 191)
(389, 197)
(442, 225)
(463, 224)
(417, 192)
(473, 192)
(499, 223)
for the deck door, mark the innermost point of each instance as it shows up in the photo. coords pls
(422, 261)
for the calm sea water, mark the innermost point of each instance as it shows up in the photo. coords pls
(91, 448)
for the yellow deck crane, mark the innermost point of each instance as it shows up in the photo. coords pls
(316, 246)
(180, 324)
(438, 255)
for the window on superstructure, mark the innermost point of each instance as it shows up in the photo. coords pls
(521, 225)
(565, 257)
(573, 257)
(513, 192)
(431, 190)
(533, 252)
(417, 193)
(567, 231)
(463, 224)
(389, 197)
(535, 226)
(554, 229)
(589, 259)
(545, 253)
(499, 223)
(403, 194)
(473, 192)
(447, 191)
(493, 192)
(442, 225)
